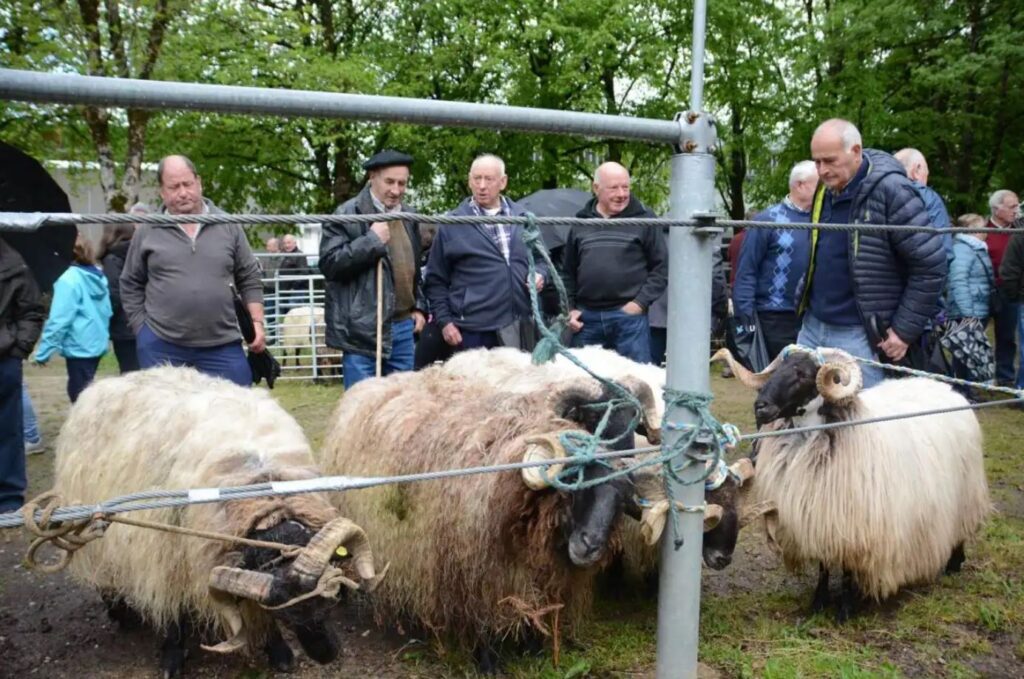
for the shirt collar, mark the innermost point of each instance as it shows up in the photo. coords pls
(380, 207)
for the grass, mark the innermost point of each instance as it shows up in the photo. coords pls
(755, 622)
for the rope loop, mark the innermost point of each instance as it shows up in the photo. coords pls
(66, 538)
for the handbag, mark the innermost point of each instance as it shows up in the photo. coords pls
(967, 343)
(745, 340)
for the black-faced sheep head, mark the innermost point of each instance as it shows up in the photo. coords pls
(272, 581)
(594, 511)
(795, 378)
(724, 514)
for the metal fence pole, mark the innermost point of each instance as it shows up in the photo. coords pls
(692, 191)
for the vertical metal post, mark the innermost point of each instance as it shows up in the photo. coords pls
(692, 190)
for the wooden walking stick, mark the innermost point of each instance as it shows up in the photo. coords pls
(380, 312)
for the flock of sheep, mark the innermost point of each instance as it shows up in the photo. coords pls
(490, 559)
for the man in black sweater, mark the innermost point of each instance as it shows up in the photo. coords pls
(614, 273)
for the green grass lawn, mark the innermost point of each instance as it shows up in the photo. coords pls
(755, 620)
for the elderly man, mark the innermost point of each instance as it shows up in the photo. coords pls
(869, 293)
(914, 163)
(349, 257)
(476, 280)
(773, 261)
(179, 282)
(613, 274)
(1004, 207)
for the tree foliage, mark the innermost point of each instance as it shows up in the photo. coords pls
(944, 77)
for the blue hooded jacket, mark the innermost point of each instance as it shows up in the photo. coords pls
(971, 278)
(79, 321)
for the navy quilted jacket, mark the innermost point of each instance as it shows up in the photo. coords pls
(898, 278)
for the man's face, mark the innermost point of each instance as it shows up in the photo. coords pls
(389, 184)
(289, 243)
(486, 181)
(273, 245)
(803, 191)
(612, 191)
(836, 167)
(181, 189)
(1009, 210)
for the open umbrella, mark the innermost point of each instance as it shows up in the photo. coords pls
(25, 186)
(555, 203)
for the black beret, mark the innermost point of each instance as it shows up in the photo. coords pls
(388, 158)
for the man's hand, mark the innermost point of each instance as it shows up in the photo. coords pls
(382, 230)
(452, 335)
(538, 281)
(259, 343)
(893, 346)
(575, 324)
(633, 309)
(418, 321)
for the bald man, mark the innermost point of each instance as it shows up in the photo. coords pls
(613, 273)
(914, 163)
(869, 293)
(178, 283)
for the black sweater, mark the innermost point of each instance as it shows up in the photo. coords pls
(607, 266)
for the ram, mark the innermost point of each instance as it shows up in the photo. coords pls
(887, 504)
(477, 560)
(172, 428)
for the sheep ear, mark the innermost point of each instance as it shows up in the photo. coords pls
(570, 400)
(712, 516)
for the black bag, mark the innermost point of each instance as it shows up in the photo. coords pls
(745, 340)
(263, 365)
(967, 343)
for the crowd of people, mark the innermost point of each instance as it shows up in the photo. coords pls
(407, 295)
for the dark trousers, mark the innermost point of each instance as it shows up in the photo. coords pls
(779, 329)
(431, 347)
(13, 480)
(225, 360)
(127, 356)
(472, 339)
(614, 329)
(659, 345)
(1005, 323)
(81, 372)
(356, 367)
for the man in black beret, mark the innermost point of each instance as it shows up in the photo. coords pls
(349, 255)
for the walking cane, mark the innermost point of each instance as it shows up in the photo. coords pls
(380, 312)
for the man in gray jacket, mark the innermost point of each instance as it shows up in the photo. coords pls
(179, 282)
(349, 257)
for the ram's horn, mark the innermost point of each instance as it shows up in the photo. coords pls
(539, 448)
(839, 378)
(712, 515)
(242, 583)
(649, 417)
(309, 565)
(752, 512)
(743, 469)
(748, 378)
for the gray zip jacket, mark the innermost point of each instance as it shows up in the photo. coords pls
(181, 288)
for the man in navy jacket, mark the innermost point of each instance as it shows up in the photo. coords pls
(870, 293)
(476, 278)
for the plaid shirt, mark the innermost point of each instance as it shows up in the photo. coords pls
(501, 234)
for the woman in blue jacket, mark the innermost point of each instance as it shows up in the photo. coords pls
(969, 288)
(78, 327)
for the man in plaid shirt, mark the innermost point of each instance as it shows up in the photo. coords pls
(476, 278)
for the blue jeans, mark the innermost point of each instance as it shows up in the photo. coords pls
(627, 334)
(29, 413)
(226, 360)
(850, 338)
(356, 367)
(13, 480)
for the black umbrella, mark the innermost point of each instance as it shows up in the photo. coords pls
(25, 186)
(555, 203)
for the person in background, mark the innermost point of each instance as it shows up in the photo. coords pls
(773, 261)
(78, 326)
(21, 317)
(1011, 273)
(970, 285)
(914, 163)
(113, 251)
(1004, 206)
(270, 266)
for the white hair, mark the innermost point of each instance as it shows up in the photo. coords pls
(848, 132)
(597, 172)
(909, 157)
(995, 201)
(490, 158)
(802, 171)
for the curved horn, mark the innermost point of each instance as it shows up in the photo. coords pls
(748, 378)
(643, 392)
(242, 583)
(312, 560)
(712, 515)
(541, 447)
(839, 380)
(754, 511)
(743, 469)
